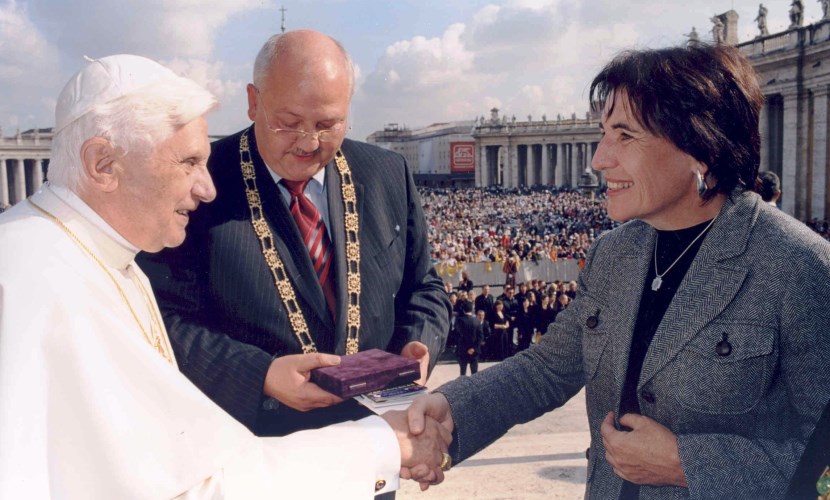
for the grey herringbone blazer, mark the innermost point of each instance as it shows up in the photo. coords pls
(760, 277)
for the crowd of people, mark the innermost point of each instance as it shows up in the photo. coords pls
(510, 322)
(822, 227)
(468, 225)
(476, 225)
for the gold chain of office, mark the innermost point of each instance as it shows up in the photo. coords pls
(275, 264)
(156, 337)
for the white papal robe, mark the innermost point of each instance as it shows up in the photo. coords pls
(88, 409)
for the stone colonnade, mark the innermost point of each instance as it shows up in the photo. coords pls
(795, 119)
(794, 144)
(19, 178)
(515, 163)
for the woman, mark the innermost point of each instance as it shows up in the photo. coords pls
(498, 343)
(525, 323)
(545, 317)
(699, 327)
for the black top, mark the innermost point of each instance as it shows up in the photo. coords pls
(813, 463)
(653, 305)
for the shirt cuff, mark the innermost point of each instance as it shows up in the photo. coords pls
(387, 453)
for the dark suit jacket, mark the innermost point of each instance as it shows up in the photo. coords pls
(224, 315)
(741, 420)
(470, 334)
(484, 304)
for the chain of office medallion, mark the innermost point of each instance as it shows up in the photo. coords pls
(275, 264)
(158, 341)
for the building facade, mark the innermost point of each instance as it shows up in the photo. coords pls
(556, 152)
(442, 154)
(24, 159)
(794, 71)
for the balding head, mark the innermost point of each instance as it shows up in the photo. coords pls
(303, 85)
(307, 51)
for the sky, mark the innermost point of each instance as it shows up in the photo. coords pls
(418, 62)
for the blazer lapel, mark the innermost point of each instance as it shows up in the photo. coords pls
(708, 287)
(288, 241)
(626, 290)
(338, 238)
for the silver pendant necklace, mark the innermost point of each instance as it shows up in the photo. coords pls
(657, 282)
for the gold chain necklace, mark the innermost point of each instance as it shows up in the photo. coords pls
(275, 264)
(155, 338)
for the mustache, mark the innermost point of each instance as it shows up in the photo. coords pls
(300, 151)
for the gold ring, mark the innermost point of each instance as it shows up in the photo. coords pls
(446, 463)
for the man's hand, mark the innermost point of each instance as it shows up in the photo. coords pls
(288, 381)
(647, 454)
(424, 408)
(433, 405)
(419, 351)
(422, 452)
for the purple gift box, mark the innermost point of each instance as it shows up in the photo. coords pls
(366, 371)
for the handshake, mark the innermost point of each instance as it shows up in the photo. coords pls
(424, 434)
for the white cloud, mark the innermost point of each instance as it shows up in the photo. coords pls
(487, 15)
(533, 4)
(28, 65)
(22, 47)
(208, 75)
(425, 63)
(525, 57)
(35, 38)
(160, 29)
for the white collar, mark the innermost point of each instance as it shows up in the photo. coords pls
(101, 238)
(319, 179)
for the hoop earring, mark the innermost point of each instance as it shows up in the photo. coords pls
(701, 184)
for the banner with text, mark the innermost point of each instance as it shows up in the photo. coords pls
(462, 157)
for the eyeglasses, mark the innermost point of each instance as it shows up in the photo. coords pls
(294, 135)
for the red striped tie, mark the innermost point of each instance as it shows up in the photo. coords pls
(315, 236)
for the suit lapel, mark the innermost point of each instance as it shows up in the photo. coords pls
(708, 287)
(288, 241)
(338, 238)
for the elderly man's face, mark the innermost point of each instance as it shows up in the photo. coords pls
(162, 190)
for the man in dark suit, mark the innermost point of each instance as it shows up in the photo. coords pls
(314, 243)
(485, 302)
(470, 335)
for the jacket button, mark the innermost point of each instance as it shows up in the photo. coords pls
(648, 397)
(380, 484)
(593, 320)
(724, 348)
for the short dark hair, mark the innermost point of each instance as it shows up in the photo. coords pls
(768, 186)
(705, 99)
(467, 307)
